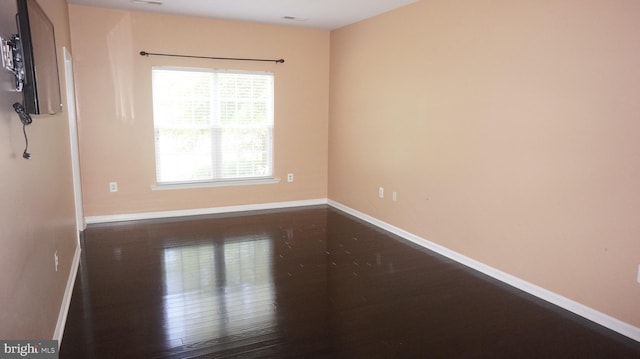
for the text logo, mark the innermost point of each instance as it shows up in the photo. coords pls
(46, 349)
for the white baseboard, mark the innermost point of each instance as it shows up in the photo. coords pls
(202, 211)
(582, 310)
(66, 300)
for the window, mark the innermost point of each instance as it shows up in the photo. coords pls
(212, 125)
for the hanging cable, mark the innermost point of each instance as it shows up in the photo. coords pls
(25, 118)
(26, 155)
(144, 53)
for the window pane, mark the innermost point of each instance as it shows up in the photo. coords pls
(181, 98)
(245, 153)
(183, 154)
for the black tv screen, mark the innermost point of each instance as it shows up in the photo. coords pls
(41, 90)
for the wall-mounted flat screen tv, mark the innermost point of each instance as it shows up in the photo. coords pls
(41, 89)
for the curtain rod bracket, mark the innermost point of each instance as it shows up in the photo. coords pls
(144, 53)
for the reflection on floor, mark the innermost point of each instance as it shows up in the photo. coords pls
(229, 284)
(308, 282)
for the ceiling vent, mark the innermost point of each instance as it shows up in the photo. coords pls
(147, 2)
(293, 18)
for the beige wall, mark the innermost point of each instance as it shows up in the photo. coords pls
(115, 107)
(509, 130)
(37, 213)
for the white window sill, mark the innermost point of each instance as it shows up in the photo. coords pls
(229, 183)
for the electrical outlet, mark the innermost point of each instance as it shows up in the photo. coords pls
(394, 196)
(113, 186)
(289, 177)
(55, 260)
(381, 192)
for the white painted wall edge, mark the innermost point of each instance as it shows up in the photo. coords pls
(66, 300)
(203, 211)
(582, 310)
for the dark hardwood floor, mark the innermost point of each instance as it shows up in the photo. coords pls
(310, 282)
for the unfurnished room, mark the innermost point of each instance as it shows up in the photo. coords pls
(329, 179)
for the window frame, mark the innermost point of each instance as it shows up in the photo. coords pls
(216, 126)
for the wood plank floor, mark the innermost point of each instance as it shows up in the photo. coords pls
(309, 282)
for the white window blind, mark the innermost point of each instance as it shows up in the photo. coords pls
(212, 125)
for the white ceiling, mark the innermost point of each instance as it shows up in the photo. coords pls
(318, 14)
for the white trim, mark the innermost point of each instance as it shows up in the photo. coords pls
(73, 138)
(230, 183)
(66, 300)
(605, 320)
(202, 211)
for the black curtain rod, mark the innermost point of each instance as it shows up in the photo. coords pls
(144, 53)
